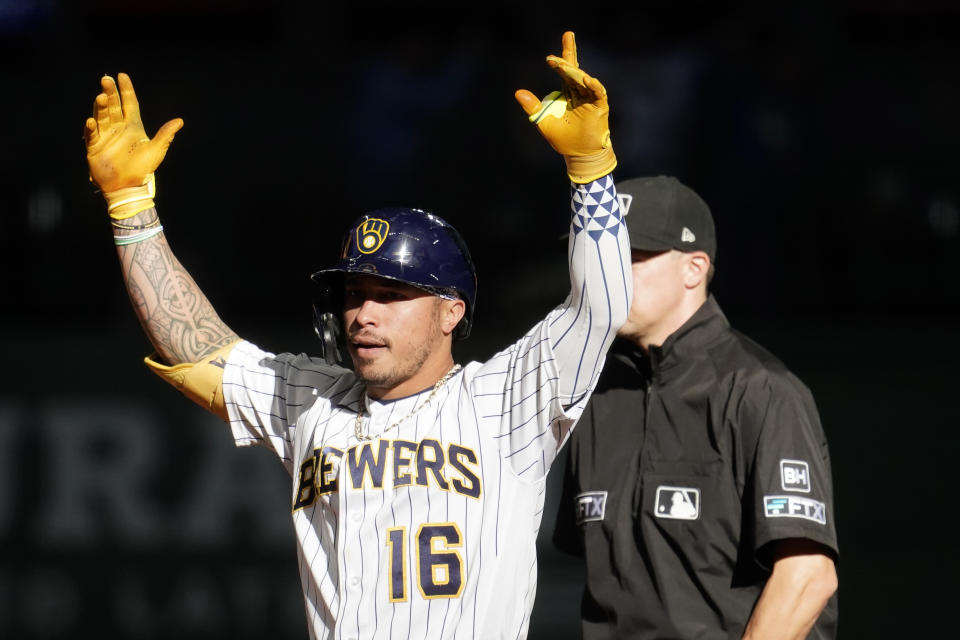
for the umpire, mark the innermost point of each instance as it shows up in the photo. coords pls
(698, 486)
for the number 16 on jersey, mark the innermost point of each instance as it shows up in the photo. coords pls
(438, 563)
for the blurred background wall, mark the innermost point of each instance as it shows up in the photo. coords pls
(824, 137)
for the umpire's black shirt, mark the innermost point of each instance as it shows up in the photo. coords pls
(685, 465)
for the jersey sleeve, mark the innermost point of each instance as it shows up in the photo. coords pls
(537, 388)
(790, 487)
(265, 395)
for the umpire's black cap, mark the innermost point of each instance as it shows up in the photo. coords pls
(662, 213)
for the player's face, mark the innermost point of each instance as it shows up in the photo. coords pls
(394, 335)
(658, 294)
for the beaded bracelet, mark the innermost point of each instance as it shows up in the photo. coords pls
(137, 237)
(135, 227)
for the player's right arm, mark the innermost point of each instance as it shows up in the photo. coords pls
(177, 317)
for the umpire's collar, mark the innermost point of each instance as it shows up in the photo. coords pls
(700, 329)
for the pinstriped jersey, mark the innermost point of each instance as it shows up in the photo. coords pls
(429, 528)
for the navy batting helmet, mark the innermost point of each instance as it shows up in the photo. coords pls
(407, 245)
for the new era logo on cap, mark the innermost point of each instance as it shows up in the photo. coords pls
(665, 214)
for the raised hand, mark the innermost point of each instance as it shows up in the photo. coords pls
(121, 157)
(574, 121)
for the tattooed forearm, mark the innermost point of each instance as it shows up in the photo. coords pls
(179, 319)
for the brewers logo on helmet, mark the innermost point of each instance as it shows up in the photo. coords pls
(370, 234)
(408, 245)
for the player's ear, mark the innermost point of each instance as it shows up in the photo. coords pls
(696, 267)
(451, 312)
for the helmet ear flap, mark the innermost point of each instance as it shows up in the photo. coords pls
(327, 325)
(462, 330)
(328, 329)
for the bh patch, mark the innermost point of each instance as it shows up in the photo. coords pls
(795, 476)
(591, 506)
(677, 503)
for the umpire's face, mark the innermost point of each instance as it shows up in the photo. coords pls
(667, 289)
(398, 336)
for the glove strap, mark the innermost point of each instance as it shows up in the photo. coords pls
(587, 168)
(128, 202)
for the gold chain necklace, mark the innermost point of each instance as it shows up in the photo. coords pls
(363, 406)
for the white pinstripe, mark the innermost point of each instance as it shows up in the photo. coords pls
(497, 424)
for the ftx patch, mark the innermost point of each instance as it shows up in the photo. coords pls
(591, 506)
(795, 507)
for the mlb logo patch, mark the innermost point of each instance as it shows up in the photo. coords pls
(795, 476)
(591, 506)
(677, 503)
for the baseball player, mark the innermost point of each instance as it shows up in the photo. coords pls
(417, 483)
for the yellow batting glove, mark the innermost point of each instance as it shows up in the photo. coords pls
(574, 121)
(121, 157)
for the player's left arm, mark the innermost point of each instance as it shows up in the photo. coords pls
(803, 580)
(543, 380)
(575, 123)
